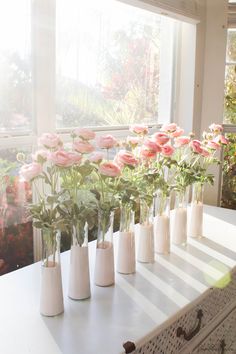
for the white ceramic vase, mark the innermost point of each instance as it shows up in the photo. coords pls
(79, 279)
(162, 223)
(145, 252)
(145, 235)
(162, 234)
(179, 218)
(104, 265)
(126, 242)
(51, 294)
(51, 297)
(195, 229)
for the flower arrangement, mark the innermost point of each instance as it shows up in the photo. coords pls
(81, 183)
(143, 164)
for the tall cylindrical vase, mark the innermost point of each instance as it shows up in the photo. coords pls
(79, 279)
(104, 265)
(196, 212)
(126, 241)
(51, 296)
(145, 251)
(162, 223)
(179, 218)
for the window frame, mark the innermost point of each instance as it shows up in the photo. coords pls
(43, 34)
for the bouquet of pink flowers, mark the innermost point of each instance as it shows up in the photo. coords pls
(142, 164)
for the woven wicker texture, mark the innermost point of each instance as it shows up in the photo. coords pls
(226, 332)
(212, 304)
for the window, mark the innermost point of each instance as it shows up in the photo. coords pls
(16, 233)
(230, 79)
(109, 58)
(15, 67)
(115, 65)
(228, 195)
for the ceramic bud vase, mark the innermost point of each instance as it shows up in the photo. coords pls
(104, 265)
(162, 223)
(145, 234)
(79, 279)
(51, 297)
(126, 242)
(179, 218)
(196, 212)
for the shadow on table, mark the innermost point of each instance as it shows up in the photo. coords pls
(227, 215)
(216, 247)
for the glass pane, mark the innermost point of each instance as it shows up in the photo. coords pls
(15, 66)
(108, 63)
(228, 199)
(230, 95)
(16, 234)
(231, 46)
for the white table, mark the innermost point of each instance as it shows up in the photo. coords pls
(132, 309)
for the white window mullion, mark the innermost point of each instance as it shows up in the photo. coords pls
(167, 52)
(44, 64)
(44, 74)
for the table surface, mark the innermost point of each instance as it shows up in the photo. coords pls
(132, 309)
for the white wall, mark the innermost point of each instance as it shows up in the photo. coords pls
(186, 69)
(213, 76)
(201, 68)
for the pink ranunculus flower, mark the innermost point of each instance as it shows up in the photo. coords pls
(84, 147)
(84, 133)
(181, 141)
(109, 169)
(169, 128)
(205, 152)
(196, 146)
(167, 150)
(132, 140)
(213, 145)
(106, 141)
(96, 157)
(216, 128)
(221, 139)
(179, 131)
(139, 129)
(30, 171)
(40, 156)
(161, 138)
(50, 141)
(63, 158)
(147, 153)
(151, 145)
(126, 158)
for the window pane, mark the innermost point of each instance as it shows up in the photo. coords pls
(228, 199)
(231, 46)
(16, 234)
(108, 63)
(230, 95)
(15, 66)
